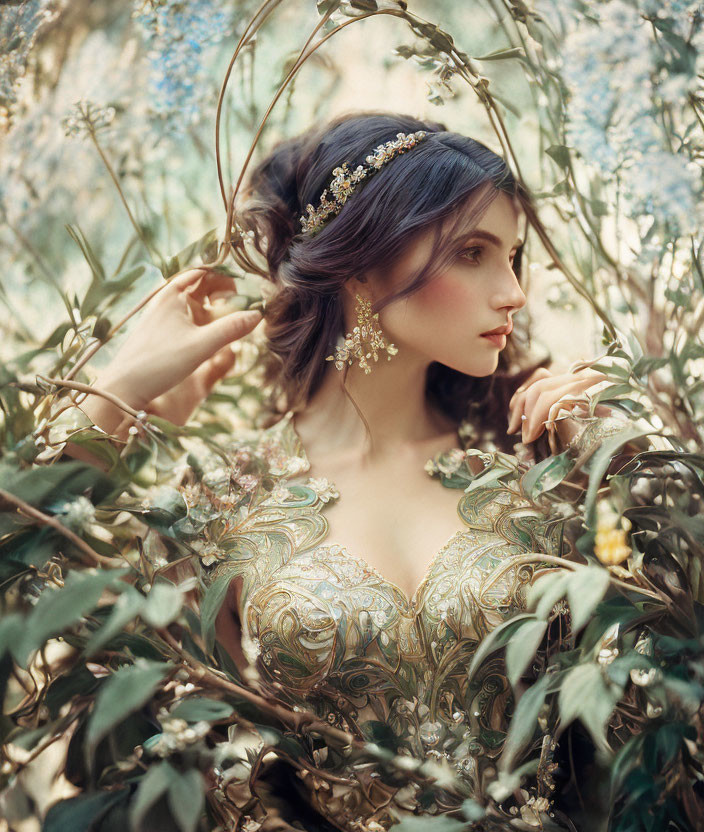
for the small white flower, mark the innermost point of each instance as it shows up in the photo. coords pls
(77, 514)
(431, 467)
(324, 489)
(449, 463)
(280, 493)
(295, 465)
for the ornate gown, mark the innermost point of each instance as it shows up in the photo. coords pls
(323, 631)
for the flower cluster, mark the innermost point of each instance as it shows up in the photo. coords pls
(19, 26)
(87, 118)
(324, 489)
(178, 35)
(619, 79)
(176, 735)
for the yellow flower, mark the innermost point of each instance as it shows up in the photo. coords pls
(611, 546)
(611, 542)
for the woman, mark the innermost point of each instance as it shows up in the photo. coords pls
(362, 593)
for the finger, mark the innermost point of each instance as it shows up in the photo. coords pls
(229, 328)
(526, 402)
(520, 402)
(539, 411)
(216, 368)
(199, 314)
(211, 283)
(541, 372)
(188, 278)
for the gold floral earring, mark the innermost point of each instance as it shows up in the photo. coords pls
(365, 341)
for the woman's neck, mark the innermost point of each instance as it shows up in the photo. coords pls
(392, 399)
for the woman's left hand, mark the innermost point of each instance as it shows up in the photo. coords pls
(541, 391)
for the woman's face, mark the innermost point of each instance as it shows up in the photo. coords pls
(477, 292)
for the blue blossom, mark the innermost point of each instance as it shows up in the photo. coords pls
(19, 26)
(619, 76)
(178, 35)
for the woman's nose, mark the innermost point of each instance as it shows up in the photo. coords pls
(512, 294)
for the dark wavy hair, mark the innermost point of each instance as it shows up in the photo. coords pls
(445, 183)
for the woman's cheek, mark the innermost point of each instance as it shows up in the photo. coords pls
(447, 298)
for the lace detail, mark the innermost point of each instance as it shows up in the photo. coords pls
(327, 632)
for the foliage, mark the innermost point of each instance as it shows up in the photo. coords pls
(107, 637)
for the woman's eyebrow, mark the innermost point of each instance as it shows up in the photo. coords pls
(491, 238)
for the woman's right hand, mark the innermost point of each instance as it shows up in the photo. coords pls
(175, 354)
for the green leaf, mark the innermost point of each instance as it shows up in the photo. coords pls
(163, 604)
(560, 153)
(152, 786)
(210, 606)
(122, 694)
(585, 588)
(186, 799)
(80, 239)
(101, 289)
(61, 481)
(11, 629)
(127, 607)
(523, 722)
(80, 814)
(503, 54)
(189, 255)
(497, 638)
(599, 207)
(493, 473)
(165, 508)
(58, 609)
(521, 648)
(79, 681)
(586, 696)
(28, 739)
(545, 475)
(198, 708)
(546, 591)
(600, 461)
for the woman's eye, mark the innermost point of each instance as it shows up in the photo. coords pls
(471, 253)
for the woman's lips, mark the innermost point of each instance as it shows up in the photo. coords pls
(498, 340)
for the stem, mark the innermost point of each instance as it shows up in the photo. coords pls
(296, 720)
(152, 251)
(575, 567)
(86, 388)
(92, 558)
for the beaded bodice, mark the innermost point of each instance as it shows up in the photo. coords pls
(327, 632)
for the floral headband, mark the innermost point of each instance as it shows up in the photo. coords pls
(344, 182)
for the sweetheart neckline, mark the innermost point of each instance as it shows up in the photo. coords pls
(410, 600)
(286, 423)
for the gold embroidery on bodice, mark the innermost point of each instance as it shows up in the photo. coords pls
(330, 634)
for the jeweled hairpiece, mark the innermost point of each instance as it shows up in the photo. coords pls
(344, 182)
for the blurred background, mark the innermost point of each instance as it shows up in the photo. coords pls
(152, 72)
